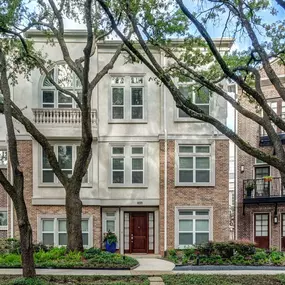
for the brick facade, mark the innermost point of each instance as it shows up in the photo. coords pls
(216, 196)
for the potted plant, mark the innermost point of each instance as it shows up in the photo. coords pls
(267, 178)
(249, 187)
(110, 240)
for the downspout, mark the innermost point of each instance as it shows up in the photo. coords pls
(235, 169)
(11, 181)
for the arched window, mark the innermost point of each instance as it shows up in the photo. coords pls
(67, 79)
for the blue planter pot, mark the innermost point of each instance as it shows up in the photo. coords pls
(110, 247)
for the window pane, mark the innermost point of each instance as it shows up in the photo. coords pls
(48, 97)
(84, 225)
(3, 218)
(205, 108)
(48, 226)
(182, 114)
(202, 162)
(118, 96)
(185, 149)
(202, 225)
(185, 176)
(46, 81)
(68, 173)
(202, 238)
(85, 238)
(137, 163)
(260, 172)
(202, 95)
(118, 163)
(118, 112)
(3, 157)
(62, 225)
(186, 92)
(46, 164)
(137, 96)
(202, 149)
(137, 150)
(185, 212)
(118, 177)
(65, 157)
(186, 225)
(118, 150)
(65, 76)
(202, 176)
(185, 162)
(48, 176)
(110, 226)
(185, 238)
(202, 212)
(62, 239)
(48, 239)
(64, 100)
(137, 177)
(137, 112)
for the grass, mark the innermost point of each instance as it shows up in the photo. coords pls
(198, 279)
(77, 280)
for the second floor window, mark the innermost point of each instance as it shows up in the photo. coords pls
(127, 98)
(66, 78)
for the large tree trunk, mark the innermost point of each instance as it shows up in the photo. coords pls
(26, 238)
(73, 219)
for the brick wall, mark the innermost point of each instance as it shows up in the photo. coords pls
(3, 194)
(217, 196)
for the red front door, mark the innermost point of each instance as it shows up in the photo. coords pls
(261, 230)
(138, 232)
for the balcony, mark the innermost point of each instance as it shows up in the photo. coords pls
(263, 190)
(61, 116)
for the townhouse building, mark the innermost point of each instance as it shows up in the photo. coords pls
(261, 203)
(157, 178)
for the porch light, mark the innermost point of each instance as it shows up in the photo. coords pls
(275, 219)
(242, 168)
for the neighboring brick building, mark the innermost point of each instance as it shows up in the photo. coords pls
(124, 189)
(261, 207)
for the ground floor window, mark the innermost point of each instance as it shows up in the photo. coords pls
(53, 232)
(192, 227)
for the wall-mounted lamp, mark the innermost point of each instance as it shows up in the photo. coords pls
(242, 168)
(275, 219)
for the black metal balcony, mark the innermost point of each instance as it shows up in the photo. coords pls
(265, 190)
(264, 139)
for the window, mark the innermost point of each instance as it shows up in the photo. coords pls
(193, 227)
(110, 222)
(200, 96)
(194, 164)
(3, 158)
(3, 218)
(66, 78)
(128, 165)
(53, 232)
(66, 155)
(127, 98)
(261, 225)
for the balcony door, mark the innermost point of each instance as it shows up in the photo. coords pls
(261, 230)
(262, 187)
(283, 232)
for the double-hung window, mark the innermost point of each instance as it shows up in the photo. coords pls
(53, 231)
(194, 164)
(127, 98)
(128, 165)
(192, 227)
(65, 78)
(200, 96)
(3, 218)
(66, 155)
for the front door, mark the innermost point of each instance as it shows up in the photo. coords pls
(261, 230)
(283, 233)
(138, 232)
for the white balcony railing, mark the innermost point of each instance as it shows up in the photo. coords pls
(61, 116)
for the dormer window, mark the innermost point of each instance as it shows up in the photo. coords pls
(67, 79)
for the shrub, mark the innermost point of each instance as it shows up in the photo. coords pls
(10, 245)
(91, 252)
(206, 248)
(42, 247)
(28, 281)
(244, 247)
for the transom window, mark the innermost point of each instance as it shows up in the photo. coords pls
(67, 79)
(127, 98)
(194, 164)
(200, 96)
(66, 155)
(53, 232)
(193, 227)
(127, 165)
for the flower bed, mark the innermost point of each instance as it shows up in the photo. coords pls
(226, 253)
(60, 258)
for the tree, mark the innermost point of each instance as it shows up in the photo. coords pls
(154, 22)
(50, 20)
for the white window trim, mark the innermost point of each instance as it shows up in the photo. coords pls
(128, 165)
(55, 218)
(211, 143)
(191, 208)
(127, 99)
(56, 182)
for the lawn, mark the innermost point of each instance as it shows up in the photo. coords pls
(82, 280)
(223, 279)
